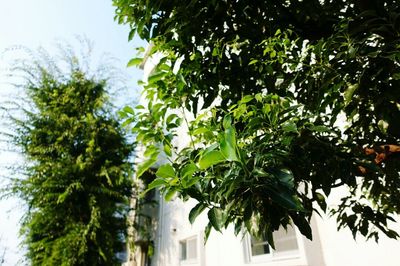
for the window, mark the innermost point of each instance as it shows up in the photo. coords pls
(286, 246)
(188, 249)
(259, 247)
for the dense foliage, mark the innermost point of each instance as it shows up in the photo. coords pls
(76, 181)
(291, 99)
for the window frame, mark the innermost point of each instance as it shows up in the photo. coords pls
(185, 241)
(271, 257)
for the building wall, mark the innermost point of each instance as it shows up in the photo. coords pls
(340, 249)
(221, 249)
(329, 247)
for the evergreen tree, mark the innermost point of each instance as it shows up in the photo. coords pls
(76, 183)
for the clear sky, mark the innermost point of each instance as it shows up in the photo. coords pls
(34, 23)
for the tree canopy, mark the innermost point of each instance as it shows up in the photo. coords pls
(291, 100)
(76, 179)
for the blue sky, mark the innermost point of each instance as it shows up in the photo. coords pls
(34, 23)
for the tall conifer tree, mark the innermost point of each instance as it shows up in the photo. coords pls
(76, 183)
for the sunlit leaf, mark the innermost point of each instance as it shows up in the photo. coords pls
(211, 158)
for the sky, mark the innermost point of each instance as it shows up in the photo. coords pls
(34, 23)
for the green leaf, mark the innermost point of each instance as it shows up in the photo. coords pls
(207, 231)
(227, 123)
(252, 62)
(181, 83)
(143, 167)
(260, 172)
(131, 34)
(151, 151)
(167, 150)
(200, 130)
(396, 76)
(246, 99)
(320, 128)
(158, 182)
(289, 127)
(258, 97)
(348, 93)
(238, 227)
(188, 170)
(303, 225)
(164, 67)
(248, 211)
(321, 201)
(153, 78)
(129, 110)
(196, 211)
(211, 158)
(216, 218)
(285, 176)
(166, 171)
(102, 254)
(170, 193)
(284, 198)
(134, 62)
(228, 144)
(187, 174)
(266, 108)
(170, 118)
(383, 126)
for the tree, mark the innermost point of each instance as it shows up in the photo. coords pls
(76, 178)
(291, 100)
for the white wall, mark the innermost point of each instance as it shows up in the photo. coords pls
(340, 249)
(329, 247)
(221, 249)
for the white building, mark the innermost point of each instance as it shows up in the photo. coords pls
(177, 242)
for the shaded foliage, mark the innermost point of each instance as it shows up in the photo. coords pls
(288, 98)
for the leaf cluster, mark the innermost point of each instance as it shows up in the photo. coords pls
(307, 87)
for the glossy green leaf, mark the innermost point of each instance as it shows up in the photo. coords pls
(156, 183)
(143, 167)
(207, 231)
(211, 158)
(154, 77)
(216, 218)
(303, 225)
(196, 211)
(228, 144)
(166, 171)
(227, 122)
(284, 198)
(246, 99)
(170, 193)
(200, 130)
(285, 176)
(167, 149)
